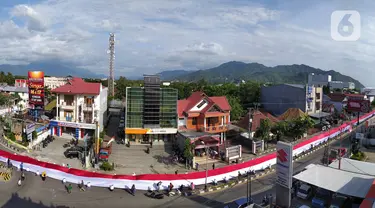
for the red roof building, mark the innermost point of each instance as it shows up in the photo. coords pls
(77, 86)
(202, 113)
(258, 116)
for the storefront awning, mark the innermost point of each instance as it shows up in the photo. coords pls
(136, 131)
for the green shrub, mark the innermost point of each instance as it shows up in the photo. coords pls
(11, 136)
(359, 156)
(106, 166)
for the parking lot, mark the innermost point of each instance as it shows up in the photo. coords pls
(54, 153)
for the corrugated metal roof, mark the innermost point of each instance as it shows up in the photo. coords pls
(338, 181)
(355, 166)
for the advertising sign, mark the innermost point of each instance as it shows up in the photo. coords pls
(284, 164)
(36, 89)
(358, 105)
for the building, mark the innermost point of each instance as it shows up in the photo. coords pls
(81, 108)
(21, 83)
(369, 92)
(256, 119)
(151, 111)
(277, 99)
(341, 85)
(205, 114)
(319, 80)
(22, 103)
(339, 100)
(55, 82)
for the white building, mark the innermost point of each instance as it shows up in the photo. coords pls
(341, 85)
(23, 92)
(369, 92)
(319, 80)
(55, 82)
(81, 107)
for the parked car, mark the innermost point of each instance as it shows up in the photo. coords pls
(239, 203)
(322, 198)
(305, 192)
(340, 201)
(74, 152)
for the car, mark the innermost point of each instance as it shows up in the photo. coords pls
(72, 154)
(304, 191)
(322, 198)
(341, 201)
(239, 203)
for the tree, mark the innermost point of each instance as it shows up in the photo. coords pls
(35, 135)
(300, 126)
(279, 129)
(264, 130)
(188, 152)
(249, 93)
(236, 109)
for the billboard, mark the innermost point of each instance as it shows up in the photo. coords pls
(36, 89)
(284, 164)
(358, 105)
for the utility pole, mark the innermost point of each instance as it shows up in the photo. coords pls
(251, 113)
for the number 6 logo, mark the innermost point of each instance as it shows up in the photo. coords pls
(345, 25)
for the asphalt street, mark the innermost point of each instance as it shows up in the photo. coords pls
(52, 193)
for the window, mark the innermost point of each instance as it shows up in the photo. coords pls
(194, 122)
(317, 96)
(317, 106)
(201, 104)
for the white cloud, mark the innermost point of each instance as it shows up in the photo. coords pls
(153, 35)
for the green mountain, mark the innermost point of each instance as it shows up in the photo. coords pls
(235, 71)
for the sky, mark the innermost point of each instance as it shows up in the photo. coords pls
(158, 35)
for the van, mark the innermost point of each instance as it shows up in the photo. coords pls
(304, 192)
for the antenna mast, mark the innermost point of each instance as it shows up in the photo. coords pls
(111, 51)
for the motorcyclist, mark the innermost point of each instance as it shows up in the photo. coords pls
(19, 182)
(69, 188)
(23, 176)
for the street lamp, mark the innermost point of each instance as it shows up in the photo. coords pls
(206, 149)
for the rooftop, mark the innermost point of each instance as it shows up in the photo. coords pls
(345, 182)
(14, 89)
(355, 166)
(79, 86)
(257, 117)
(291, 114)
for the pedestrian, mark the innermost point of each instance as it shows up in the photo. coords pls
(170, 187)
(176, 172)
(8, 163)
(192, 186)
(197, 166)
(151, 143)
(23, 176)
(213, 166)
(44, 175)
(82, 186)
(67, 165)
(158, 186)
(133, 190)
(69, 188)
(21, 166)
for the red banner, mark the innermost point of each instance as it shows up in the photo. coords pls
(36, 89)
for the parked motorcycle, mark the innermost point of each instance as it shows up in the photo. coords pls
(155, 195)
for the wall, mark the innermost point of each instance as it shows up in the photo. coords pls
(41, 136)
(279, 98)
(144, 182)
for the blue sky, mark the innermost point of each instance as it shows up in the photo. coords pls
(157, 35)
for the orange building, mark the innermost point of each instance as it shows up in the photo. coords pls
(202, 113)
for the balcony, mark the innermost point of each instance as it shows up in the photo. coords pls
(67, 105)
(214, 129)
(87, 107)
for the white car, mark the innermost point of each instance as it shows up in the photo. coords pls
(305, 191)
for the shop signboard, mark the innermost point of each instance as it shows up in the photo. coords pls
(162, 131)
(284, 165)
(30, 128)
(36, 89)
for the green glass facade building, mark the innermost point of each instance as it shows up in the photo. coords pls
(151, 112)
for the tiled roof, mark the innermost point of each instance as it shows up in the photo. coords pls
(78, 86)
(337, 97)
(257, 117)
(291, 113)
(190, 102)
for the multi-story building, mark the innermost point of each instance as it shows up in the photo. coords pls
(81, 108)
(202, 113)
(55, 82)
(319, 80)
(151, 111)
(277, 99)
(22, 92)
(21, 83)
(341, 85)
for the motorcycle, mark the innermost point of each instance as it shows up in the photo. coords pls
(155, 195)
